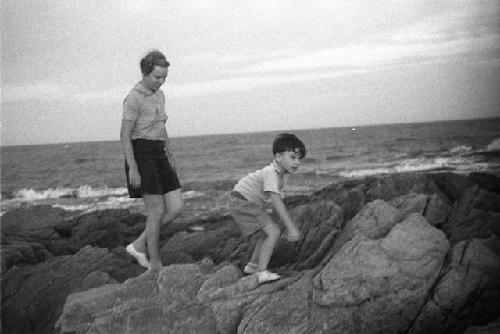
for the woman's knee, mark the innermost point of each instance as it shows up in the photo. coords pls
(177, 209)
(156, 211)
(174, 204)
(154, 206)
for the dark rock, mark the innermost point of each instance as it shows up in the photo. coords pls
(371, 259)
(437, 211)
(19, 251)
(29, 236)
(391, 186)
(319, 222)
(491, 328)
(154, 302)
(211, 243)
(393, 273)
(106, 228)
(374, 221)
(33, 296)
(467, 293)
(452, 185)
(475, 215)
(33, 223)
(487, 182)
(350, 197)
(93, 280)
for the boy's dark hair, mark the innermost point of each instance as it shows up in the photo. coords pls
(152, 59)
(287, 142)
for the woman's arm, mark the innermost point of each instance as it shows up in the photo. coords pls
(168, 151)
(126, 129)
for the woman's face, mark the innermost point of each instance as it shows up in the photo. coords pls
(156, 78)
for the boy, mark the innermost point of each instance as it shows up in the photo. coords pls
(254, 191)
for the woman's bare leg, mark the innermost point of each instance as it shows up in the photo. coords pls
(174, 205)
(155, 208)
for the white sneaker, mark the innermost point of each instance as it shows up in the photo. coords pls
(140, 257)
(250, 268)
(267, 276)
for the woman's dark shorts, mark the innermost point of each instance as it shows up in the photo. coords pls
(157, 175)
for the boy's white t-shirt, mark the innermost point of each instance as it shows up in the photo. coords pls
(255, 186)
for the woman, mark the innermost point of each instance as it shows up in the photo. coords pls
(149, 166)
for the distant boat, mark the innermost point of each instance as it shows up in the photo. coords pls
(353, 129)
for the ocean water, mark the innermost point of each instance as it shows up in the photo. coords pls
(90, 176)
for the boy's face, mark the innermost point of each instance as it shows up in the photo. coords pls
(288, 161)
(156, 78)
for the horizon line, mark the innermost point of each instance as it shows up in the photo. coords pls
(264, 131)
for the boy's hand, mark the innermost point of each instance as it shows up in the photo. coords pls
(293, 235)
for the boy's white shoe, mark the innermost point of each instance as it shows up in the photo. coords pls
(250, 268)
(267, 276)
(140, 257)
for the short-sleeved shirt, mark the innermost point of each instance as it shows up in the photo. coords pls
(147, 110)
(256, 186)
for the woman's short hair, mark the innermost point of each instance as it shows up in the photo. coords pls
(152, 59)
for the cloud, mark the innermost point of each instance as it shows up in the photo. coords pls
(330, 63)
(247, 83)
(394, 34)
(469, 18)
(382, 54)
(46, 90)
(53, 91)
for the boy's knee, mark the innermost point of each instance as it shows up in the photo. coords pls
(273, 231)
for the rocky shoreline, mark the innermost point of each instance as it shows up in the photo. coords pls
(399, 253)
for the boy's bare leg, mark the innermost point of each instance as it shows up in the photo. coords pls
(256, 250)
(266, 249)
(155, 208)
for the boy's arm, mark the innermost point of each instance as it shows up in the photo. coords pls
(279, 207)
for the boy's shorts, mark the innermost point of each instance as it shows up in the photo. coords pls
(250, 216)
(157, 175)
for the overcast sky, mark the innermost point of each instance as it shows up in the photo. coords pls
(240, 66)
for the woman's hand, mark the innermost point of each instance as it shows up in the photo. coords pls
(170, 157)
(134, 178)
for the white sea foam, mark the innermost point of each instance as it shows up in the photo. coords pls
(110, 203)
(461, 149)
(364, 172)
(28, 195)
(84, 198)
(414, 165)
(494, 145)
(192, 194)
(85, 191)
